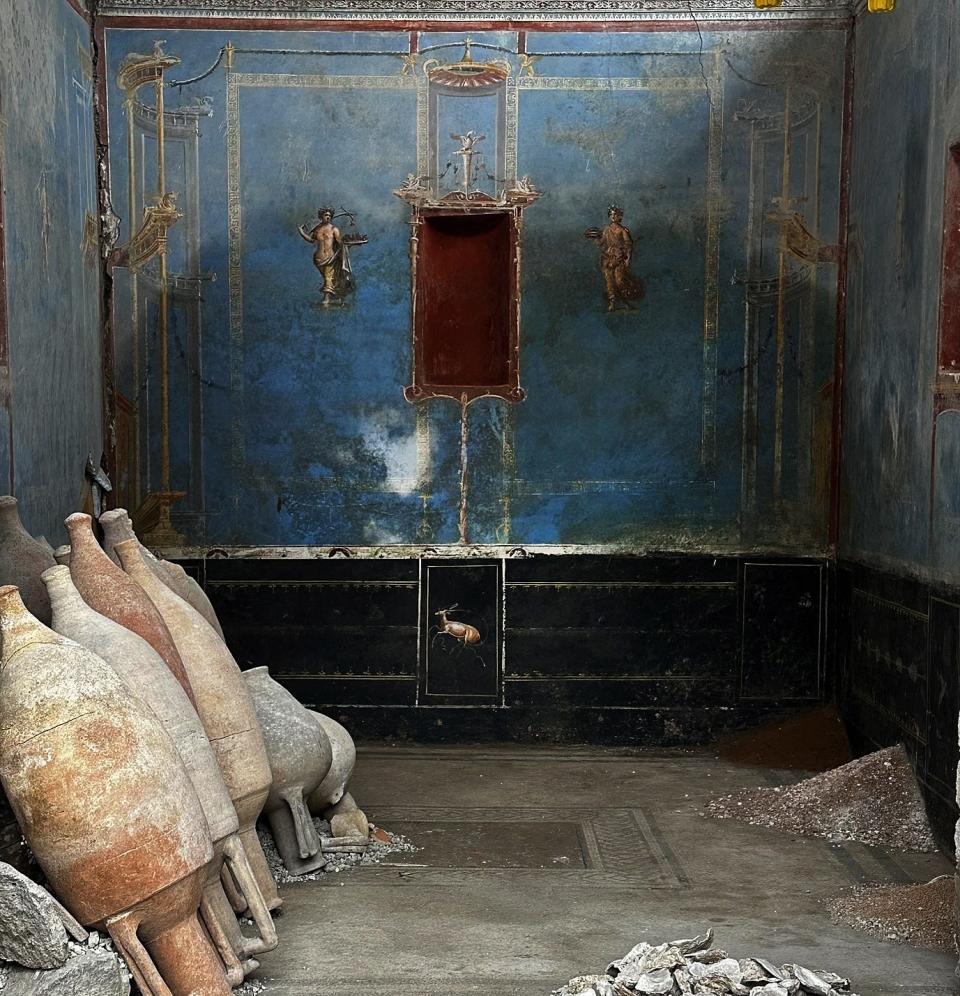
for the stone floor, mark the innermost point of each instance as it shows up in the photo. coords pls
(537, 865)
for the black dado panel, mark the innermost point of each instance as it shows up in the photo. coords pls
(943, 694)
(898, 657)
(783, 634)
(644, 651)
(321, 621)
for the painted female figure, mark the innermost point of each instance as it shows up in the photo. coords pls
(616, 251)
(327, 254)
(331, 255)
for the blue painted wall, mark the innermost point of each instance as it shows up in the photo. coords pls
(898, 619)
(52, 282)
(901, 509)
(656, 429)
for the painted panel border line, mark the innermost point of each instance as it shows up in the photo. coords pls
(456, 10)
(508, 552)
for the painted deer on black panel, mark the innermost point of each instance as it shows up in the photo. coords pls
(465, 634)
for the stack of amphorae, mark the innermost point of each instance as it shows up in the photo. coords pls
(138, 758)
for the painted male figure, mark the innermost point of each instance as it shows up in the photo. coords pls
(327, 253)
(616, 251)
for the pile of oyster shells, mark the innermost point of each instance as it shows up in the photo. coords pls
(676, 968)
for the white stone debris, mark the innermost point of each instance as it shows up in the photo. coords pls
(339, 858)
(250, 988)
(37, 955)
(93, 969)
(692, 966)
(33, 925)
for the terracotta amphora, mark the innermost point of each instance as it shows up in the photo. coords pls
(23, 559)
(331, 789)
(43, 542)
(146, 676)
(108, 590)
(189, 589)
(300, 756)
(225, 709)
(118, 526)
(106, 805)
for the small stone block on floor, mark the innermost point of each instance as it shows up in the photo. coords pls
(92, 973)
(32, 931)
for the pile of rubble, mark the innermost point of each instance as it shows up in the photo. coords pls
(692, 966)
(873, 800)
(45, 952)
(919, 915)
(341, 852)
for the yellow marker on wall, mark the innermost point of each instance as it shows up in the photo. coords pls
(878, 6)
(767, 3)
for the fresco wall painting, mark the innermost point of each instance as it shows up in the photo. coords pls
(148, 245)
(50, 339)
(4, 331)
(945, 450)
(781, 287)
(897, 622)
(901, 431)
(690, 415)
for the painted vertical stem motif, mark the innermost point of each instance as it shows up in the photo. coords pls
(132, 214)
(464, 482)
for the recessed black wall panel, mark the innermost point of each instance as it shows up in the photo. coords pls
(783, 635)
(613, 653)
(328, 693)
(298, 569)
(328, 650)
(651, 693)
(319, 603)
(594, 568)
(637, 605)
(455, 670)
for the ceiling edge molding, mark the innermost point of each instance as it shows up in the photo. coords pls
(484, 10)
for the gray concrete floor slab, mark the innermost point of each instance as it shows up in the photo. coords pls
(538, 865)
